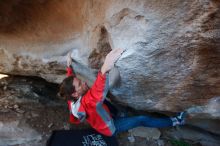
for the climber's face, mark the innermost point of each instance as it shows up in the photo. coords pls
(80, 88)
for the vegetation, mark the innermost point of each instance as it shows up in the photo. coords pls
(176, 142)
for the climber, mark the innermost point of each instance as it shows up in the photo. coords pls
(89, 104)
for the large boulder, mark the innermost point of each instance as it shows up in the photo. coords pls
(172, 61)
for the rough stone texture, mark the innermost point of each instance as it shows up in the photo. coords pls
(206, 124)
(26, 106)
(145, 132)
(172, 61)
(15, 133)
(197, 136)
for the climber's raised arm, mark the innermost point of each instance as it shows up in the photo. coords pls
(100, 87)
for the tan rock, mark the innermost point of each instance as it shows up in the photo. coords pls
(172, 58)
(146, 132)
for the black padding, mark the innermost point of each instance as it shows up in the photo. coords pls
(86, 137)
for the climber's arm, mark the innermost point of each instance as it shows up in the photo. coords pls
(110, 60)
(99, 89)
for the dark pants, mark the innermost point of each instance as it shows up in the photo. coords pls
(125, 123)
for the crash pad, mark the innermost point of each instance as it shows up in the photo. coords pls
(85, 137)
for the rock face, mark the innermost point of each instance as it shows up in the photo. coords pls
(13, 129)
(172, 61)
(27, 109)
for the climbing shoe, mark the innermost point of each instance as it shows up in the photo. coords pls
(179, 119)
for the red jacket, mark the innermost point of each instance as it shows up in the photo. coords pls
(91, 107)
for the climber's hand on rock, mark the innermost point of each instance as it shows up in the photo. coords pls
(110, 60)
(69, 59)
